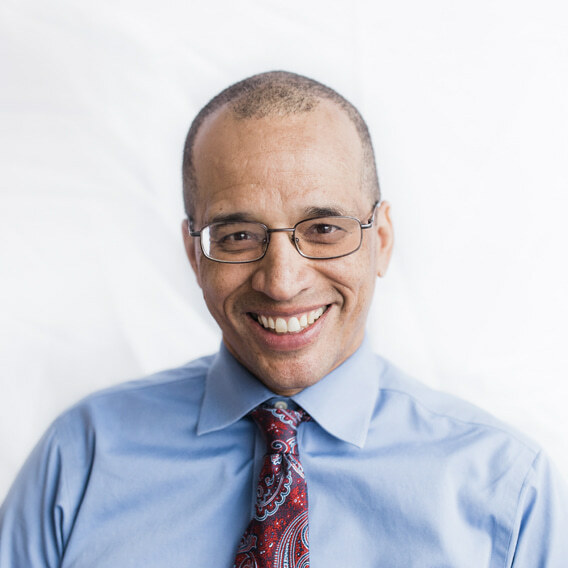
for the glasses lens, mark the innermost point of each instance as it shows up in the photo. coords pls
(234, 242)
(328, 237)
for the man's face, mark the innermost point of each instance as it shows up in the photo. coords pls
(278, 171)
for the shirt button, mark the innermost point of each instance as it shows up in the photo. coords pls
(281, 405)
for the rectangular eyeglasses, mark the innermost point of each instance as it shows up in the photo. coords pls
(322, 238)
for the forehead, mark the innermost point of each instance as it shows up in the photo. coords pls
(307, 159)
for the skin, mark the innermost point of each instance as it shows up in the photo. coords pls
(276, 170)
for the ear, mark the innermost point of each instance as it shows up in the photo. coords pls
(384, 228)
(191, 245)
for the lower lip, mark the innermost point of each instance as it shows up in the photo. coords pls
(288, 341)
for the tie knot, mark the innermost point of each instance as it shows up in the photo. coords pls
(279, 427)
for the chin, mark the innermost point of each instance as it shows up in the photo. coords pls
(291, 380)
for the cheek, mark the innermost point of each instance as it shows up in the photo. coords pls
(358, 283)
(357, 272)
(220, 284)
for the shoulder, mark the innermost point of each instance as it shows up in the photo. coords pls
(456, 459)
(138, 419)
(131, 405)
(132, 431)
(438, 415)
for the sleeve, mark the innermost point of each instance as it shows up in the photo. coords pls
(32, 520)
(541, 539)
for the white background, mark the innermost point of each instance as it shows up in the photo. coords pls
(467, 103)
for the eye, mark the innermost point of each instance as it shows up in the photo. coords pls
(239, 236)
(236, 237)
(322, 231)
(319, 229)
(324, 228)
(238, 240)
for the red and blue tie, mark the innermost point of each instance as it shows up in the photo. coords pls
(277, 536)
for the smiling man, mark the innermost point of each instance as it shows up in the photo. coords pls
(288, 318)
(294, 445)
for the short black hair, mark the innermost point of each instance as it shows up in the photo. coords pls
(275, 93)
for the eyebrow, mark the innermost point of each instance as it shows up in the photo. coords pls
(232, 218)
(239, 217)
(323, 212)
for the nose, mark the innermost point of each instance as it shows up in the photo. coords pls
(283, 273)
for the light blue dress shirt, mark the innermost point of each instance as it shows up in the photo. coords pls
(162, 472)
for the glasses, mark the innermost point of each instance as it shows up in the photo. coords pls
(320, 238)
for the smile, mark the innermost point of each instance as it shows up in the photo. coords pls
(292, 324)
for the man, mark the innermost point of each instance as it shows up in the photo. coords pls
(286, 234)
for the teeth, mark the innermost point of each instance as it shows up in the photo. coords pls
(294, 324)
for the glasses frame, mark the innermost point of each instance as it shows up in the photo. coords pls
(293, 238)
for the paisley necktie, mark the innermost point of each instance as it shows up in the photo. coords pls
(277, 536)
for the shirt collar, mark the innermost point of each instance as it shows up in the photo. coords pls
(231, 392)
(342, 402)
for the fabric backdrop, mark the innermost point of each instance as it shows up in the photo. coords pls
(467, 104)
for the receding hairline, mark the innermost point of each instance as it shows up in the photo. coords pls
(275, 93)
